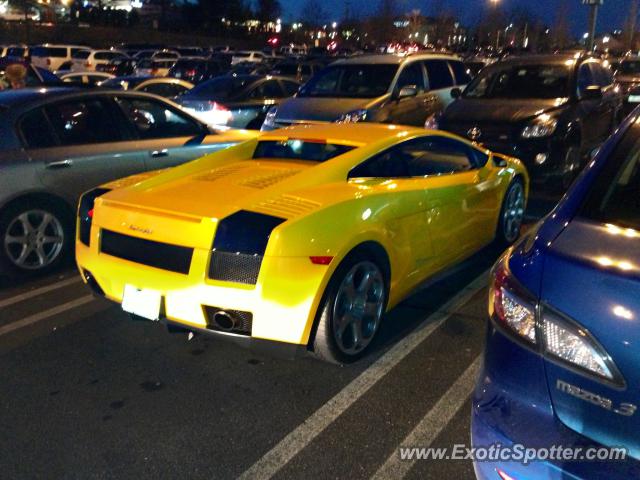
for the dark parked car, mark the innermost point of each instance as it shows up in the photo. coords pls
(376, 88)
(240, 101)
(56, 143)
(551, 111)
(628, 78)
(197, 70)
(166, 87)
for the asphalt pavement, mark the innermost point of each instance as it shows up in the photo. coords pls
(89, 393)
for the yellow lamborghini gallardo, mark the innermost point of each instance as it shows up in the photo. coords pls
(303, 237)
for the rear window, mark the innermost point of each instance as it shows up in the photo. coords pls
(55, 52)
(439, 74)
(615, 195)
(222, 87)
(81, 54)
(295, 149)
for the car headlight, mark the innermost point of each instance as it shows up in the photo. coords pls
(354, 116)
(542, 126)
(270, 120)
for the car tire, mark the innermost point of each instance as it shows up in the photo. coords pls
(511, 214)
(570, 166)
(35, 237)
(351, 310)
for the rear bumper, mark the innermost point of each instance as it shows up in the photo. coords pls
(511, 406)
(282, 303)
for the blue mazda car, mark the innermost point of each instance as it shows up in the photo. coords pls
(562, 359)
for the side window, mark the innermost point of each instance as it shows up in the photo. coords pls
(35, 131)
(290, 88)
(439, 74)
(84, 122)
(156, 120)
(460, 72)
(437, 156)
(268, 89)
(585, 78)
(411, 75)
(418, 158)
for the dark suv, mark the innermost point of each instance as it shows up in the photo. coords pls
(550, 111)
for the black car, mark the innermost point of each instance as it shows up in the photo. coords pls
(237, 101)
(550, 111)
(196, 70)
(628, 78)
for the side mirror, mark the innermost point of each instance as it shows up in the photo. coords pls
(498, 161)
(456, 93)
(592, 92)
(407, 91)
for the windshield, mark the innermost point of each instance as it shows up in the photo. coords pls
(630, 67)
(350, 81)
(222, 87)
(521, 81)
(615, 196)
(300, 150)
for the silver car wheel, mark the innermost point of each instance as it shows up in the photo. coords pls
(513, 213)
(358, 307)
(34, 239)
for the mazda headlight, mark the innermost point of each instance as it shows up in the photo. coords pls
(354, 116)
(270, 120)
(542, 126)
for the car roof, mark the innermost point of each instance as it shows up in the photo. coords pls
(390, 59)
(12, 98)
(359, 133)
(548, 59)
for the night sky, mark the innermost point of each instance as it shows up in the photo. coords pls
(612, 15)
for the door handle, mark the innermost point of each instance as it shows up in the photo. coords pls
(59, 164)
(160, 153)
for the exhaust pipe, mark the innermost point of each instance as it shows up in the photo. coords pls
(224, 321)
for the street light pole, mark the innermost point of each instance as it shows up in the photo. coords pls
(593, 19)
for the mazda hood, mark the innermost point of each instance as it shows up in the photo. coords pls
(471, 110)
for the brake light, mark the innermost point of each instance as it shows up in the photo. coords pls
(90, 213)
(510, 305)
(191, 73)
(48, 61)
(88, 64)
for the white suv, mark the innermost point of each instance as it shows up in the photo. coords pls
(87, 60)
(52, 57)
(247, 56)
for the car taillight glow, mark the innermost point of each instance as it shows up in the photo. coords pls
(549, 332)
(511, 305)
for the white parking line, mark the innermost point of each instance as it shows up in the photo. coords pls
(38, 291)
(431, 424)
(31, 319)
(300, 437)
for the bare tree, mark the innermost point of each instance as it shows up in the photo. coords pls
(561, 34)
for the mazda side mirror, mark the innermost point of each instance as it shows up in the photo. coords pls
(456, 93)
(592, 92)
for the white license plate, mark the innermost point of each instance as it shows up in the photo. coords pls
(142, 302)
(634, 98)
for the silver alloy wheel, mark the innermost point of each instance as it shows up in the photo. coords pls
(513, 213)
(358, 307)
(34, 239)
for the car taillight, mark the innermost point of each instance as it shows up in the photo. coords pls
(88, 64)
(85, 213)
(191, 73)
(48, 61)
(548, 331)
(510, 305)
(220, 115)
(568, 342)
